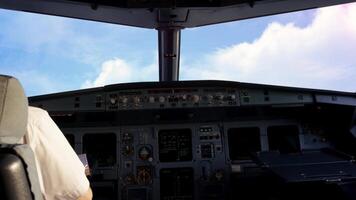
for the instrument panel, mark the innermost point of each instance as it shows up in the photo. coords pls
(182, 161)
(193, 140)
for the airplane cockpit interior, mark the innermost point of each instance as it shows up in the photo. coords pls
(203, 139)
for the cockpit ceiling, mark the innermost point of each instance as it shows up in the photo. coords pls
(167, 3)
(160, 13)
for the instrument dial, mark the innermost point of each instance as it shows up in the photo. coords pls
(144, 176)
(151, 99)
(124, 100)
(144, 153)
(162, 99)
(195, 98)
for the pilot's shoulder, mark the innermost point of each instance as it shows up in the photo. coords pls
(36, 110)
(35, 113)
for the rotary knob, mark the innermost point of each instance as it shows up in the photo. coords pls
(195, 98)
(124, 100)
(151, 99)
(162, 99)
(113, 99)
(136, 100)
(184, 97)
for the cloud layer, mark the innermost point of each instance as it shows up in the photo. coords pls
(320, 55)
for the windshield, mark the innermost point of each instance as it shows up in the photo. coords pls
(313, 48)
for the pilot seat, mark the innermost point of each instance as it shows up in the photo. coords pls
(18, 173)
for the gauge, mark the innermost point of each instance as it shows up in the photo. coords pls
(144, 175)
(127, 138)
(128, 150)
(144, 153)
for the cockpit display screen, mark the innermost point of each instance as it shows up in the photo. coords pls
(175, 145)
(100, 149)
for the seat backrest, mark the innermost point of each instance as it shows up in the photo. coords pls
(13, 111)
(18, 174)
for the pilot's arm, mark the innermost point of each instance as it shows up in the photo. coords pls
(87, 196)
(61, 173)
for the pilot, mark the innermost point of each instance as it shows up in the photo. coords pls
(61, 173)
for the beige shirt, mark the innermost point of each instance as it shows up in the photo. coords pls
(61, 173)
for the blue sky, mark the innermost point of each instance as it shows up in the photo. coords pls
(314, 48)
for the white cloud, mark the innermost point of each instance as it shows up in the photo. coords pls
(120, 71)
(321, 55)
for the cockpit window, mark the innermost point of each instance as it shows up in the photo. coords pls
(60, 54)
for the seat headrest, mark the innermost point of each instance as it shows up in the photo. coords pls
(13, 110)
